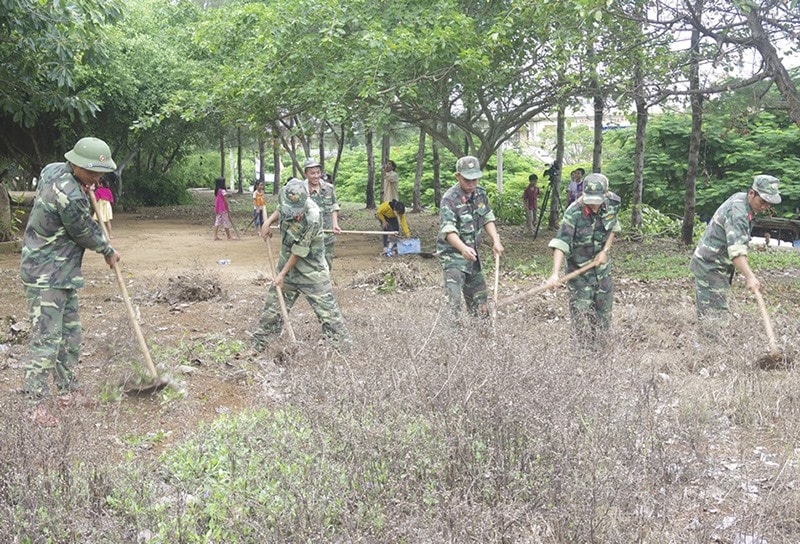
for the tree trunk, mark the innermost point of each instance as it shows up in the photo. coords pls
(599, 107)
(261, 157)
(322, 147)
(774, 64)
(638, 154)
(385, 152)
(638, 164)
(239, 175)
(416, 202)
(555, 179)
(293, 153)
(339, 151)
(437, 166)
(6, 227)
(276, 160)
(690, 197)
(370, 170)
(222, 156)
(500, 170)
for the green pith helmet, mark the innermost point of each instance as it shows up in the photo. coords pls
(91, 154)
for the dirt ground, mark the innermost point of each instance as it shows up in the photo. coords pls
(161, 257)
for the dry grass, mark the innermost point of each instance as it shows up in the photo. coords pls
(423, 433)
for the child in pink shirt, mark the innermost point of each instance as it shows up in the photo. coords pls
(105, 198)
(221, 210)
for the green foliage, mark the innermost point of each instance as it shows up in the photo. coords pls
(265, 464)
(155, 189)
(659, 225)
(389, 284)
(654, 259)
(731, 154)
(774, 260)
(43, 45)
(351, 184)
(197, 169)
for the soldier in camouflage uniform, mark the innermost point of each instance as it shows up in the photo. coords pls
(723, 248)
(59, 229)
(302, 265)
(585, 235)
(463, 213)
(323, 194)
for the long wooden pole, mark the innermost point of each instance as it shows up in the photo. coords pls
(496, 285)
(124, 291)
(774, 350)
(328, 231)
(544, 287)
(278, 289)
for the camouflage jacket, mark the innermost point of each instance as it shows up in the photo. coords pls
(59, 229)
(726, 236)
(325, 198)
(466, 216)
(302, 236)
(583, 233)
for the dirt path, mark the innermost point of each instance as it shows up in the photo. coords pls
(155, 253)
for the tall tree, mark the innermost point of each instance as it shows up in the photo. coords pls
(420, 162)
(690, 197)
(370, 195)
(43, 47)
(760, 26)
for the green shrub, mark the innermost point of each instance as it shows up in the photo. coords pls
(732, 153)
(197, 169)
(154, 189)
(658, 225)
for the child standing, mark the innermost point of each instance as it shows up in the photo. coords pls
(221, 209)
(259, 204)
(105, 198)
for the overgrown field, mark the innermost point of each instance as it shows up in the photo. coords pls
(506, 432)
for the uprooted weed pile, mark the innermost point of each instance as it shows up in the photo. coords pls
(402, 275)
(195, 287)
(419, 433)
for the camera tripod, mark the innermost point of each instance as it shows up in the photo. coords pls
(545, 203)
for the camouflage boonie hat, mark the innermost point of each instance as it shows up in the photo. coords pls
(767, 188)
(469, 167)
(594, 189)
(293, 198)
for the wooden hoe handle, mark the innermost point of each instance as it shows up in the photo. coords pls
(151, 369)
(539, 288)
(278, 289)
(773, 342)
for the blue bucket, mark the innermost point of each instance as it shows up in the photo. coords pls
(408, 246)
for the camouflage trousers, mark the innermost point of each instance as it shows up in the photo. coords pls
(319, 296)
(711, 298)
(329, 255)
(471, 286)
(55, 340)
(591, 300)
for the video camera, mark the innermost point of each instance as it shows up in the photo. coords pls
(552, 171)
